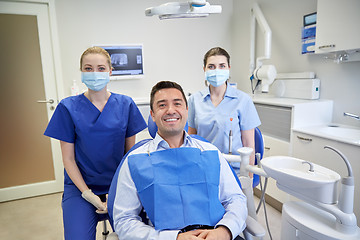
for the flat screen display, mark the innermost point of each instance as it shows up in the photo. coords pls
(310, 19)
(127, 61)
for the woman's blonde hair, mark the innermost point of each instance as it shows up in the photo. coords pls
(96, 50)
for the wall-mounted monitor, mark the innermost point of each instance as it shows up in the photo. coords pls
(127, 61)
(310, 19)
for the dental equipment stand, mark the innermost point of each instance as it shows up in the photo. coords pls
(314, 218)
(246, 182)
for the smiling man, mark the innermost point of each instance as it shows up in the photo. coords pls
(185, 186)
(169, 110)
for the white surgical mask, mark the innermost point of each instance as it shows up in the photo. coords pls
(95, 80)
(217, 77)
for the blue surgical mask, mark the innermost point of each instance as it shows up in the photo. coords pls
(95, 80)
(217, 77)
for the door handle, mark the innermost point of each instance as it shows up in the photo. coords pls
(51, 101)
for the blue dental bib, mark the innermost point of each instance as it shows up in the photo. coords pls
(178, 187)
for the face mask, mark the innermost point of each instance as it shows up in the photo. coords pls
(217, 77)
(95, 80)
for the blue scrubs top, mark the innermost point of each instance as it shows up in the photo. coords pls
(99, 137)
(214, 124)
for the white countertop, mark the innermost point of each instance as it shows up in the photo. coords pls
(336, 132)
(284, 102)
(314, 124)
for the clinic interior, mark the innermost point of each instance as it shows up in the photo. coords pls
(173, 50)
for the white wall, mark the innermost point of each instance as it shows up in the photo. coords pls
(173, 49)
(339, 82)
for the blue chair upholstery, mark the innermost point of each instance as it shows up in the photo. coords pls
(259, 148)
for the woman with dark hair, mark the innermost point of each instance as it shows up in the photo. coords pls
(220, 113)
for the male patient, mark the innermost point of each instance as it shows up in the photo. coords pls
(185, 185)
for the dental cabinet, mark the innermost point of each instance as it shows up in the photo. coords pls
(337, 26)
(278, 117)
(308, 144)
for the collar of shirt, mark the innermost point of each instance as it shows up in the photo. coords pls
(230, 92)
(160, 144)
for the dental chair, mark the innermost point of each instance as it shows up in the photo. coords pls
(253, 228)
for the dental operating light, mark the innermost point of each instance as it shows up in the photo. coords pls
(190, 9)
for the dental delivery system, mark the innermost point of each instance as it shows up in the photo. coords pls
(323, 213)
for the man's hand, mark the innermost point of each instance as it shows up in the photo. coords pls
(219, 233)
(190, 235)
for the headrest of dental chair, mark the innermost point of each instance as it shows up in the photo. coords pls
(152, 128)
(259, 142)
(259, 148)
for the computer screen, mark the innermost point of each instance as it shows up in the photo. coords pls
(127, 61)
(310, 19)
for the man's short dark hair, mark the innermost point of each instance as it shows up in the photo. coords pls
(163, 85)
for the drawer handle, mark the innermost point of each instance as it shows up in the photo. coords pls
(267, 148)
(304, 139)
(327, 46)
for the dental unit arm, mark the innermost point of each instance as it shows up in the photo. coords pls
(245, 168)
(189, 9)
(254, 228)
(342, 210)
(317, 186)
(264, 73)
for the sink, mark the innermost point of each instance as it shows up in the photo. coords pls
(293, 176)
(337, 132)
(342, 132)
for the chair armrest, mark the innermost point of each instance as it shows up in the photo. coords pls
(112, 236)
(257, 170)
(254, 228)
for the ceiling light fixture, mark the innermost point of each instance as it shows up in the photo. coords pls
(190, 9)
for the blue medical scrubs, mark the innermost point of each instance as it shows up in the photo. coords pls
(235, 112)
(99, 141)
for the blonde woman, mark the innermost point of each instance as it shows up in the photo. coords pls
(95, 129)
